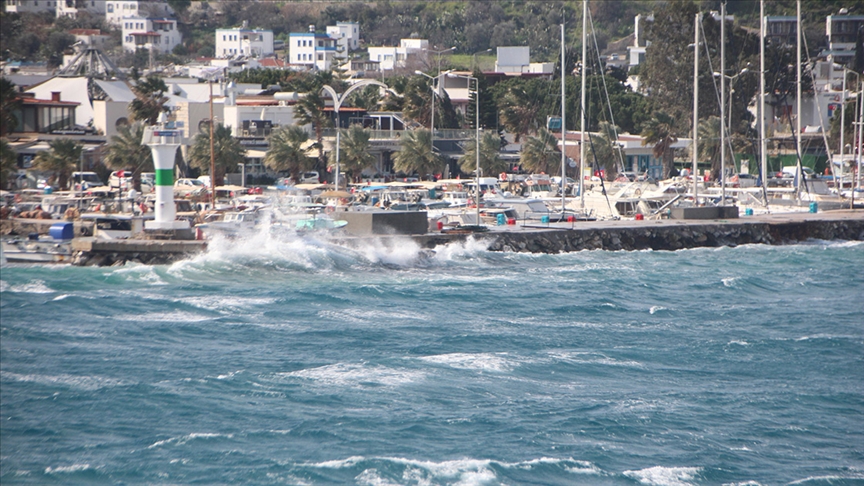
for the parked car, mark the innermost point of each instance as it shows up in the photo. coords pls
(120, 179)
(183, 187)
(148, 182)
(310, 177)
(743, 180)
(85, 180)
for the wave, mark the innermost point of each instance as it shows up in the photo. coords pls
(400, 470)
(184, 439)
(86, 383)
(664, 476)
(354, 375)
(497, 362)
(67, 469)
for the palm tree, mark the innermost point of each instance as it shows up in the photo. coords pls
(286, 151)
(519, 113)
(540, 152)
(354, 153)
(8, 162)
(416, 153)
(125, 150)
(228, 153)
(310, 110)
(604, 150)
(149, 100)
(62, 159)
(490, 161)
(660, 131)
(709, 143)
(367, 98)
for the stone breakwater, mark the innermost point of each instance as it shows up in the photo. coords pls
(676, 237)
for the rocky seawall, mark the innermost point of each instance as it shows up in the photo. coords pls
(677, 237)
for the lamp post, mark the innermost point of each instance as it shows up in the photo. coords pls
(723, 124)
(477, 141)
(843, 125)
(438, 53)
(474, 57)
(337, 103)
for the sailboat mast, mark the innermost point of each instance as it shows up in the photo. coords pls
(723, 103)
(763, 145)
(696, 110)
(798, 98)
(582, 128)
(563, 127)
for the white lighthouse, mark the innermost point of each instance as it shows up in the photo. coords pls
(163, 143)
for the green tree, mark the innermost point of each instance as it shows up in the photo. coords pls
(415, 154)
(125, 151)
(149, 100)
(660, 131)
(228, 153)
(286, 151)
(540, 152)
(354, 153)
(61, 160)
(8, 163)
(520, 112)
(9, 104)
(490, 158)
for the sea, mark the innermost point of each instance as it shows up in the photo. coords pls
(303, 362)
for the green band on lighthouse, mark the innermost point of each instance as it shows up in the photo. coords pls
(164, 177)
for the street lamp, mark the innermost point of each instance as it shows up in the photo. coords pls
(438, 53)
(337, 103)
(474, 57)
(731, 90)
(477, 142)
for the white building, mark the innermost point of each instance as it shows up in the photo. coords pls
(70, 8)
(19, 6)
(517, 60)
(117, 10)
(160, 34)
(312, 50)
(347, 35)
(244, 41)
(390, 58)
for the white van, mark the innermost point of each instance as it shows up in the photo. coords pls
(309, 177)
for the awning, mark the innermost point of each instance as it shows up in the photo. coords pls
(255, 154)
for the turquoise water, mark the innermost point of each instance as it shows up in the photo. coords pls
(299, 362)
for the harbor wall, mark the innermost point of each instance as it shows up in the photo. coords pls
(665, 237)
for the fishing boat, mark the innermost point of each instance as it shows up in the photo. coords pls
(56, 247)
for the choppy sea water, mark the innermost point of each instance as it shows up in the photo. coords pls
(300, 362)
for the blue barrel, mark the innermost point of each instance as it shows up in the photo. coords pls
(748, 212)
(432, 193)
(62, 231)
(48, 190)
(501, 219)
(814, 207)
(544, 219)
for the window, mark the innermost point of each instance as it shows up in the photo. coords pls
(298, 57)
(110, 8)
(223, 38)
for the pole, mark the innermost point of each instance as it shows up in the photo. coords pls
(838, 183)
(800, 168)
(212, 153)
(563, 130)
(723, 104)
(763, 143)
(477, 147)
(338, 131)
(860, 132)
(582, 128)
(696, 111)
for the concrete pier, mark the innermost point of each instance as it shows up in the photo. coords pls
(776, 229)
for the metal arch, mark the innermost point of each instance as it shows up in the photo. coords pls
(338, 99)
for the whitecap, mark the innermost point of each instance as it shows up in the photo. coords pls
(740, 343)
(348, 374)
(483, 361)
(584, 357)
(656, 308)
(32, 287)
(173, 316)
(87, 383)
(828, 479)
(729, 281)
(664, 476)
(67, 469)
(183, 439)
